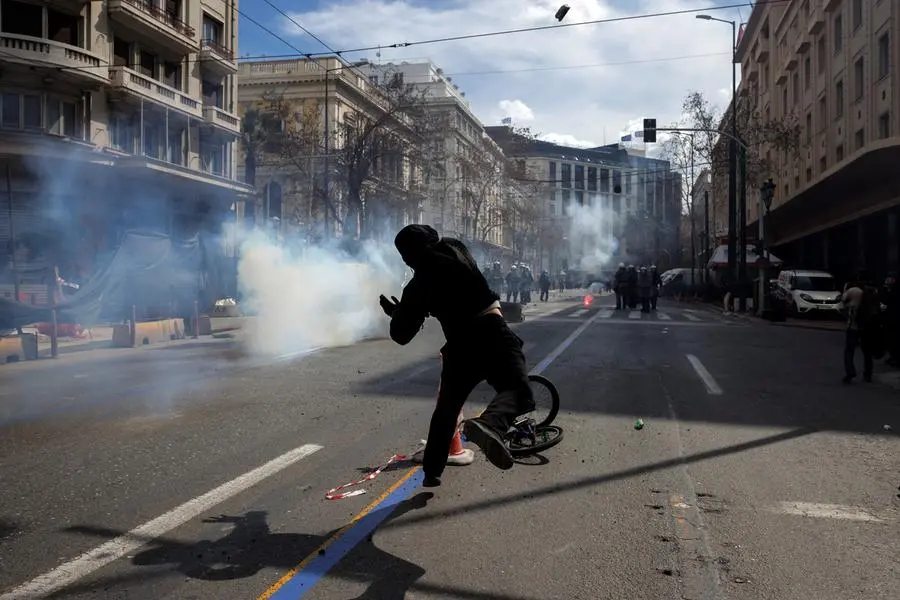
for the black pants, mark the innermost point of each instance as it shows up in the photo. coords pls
(490, 352)
(645, 304)
(514, 295)
(545, 294)
(854, 339)
(620, 300)
(653, 300)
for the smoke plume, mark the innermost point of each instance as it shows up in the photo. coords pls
(591, 238)
(321, 298)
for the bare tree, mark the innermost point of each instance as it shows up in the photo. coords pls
(483, 173)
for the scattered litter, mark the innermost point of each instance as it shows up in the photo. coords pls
(639, 424)
(333, 494)
(887, 427)
(741, 580)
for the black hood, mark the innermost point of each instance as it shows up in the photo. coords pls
(414, 241)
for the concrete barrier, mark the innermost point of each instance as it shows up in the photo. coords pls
(17, 348)
(150, 332)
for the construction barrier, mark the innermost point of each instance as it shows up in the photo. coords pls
(17, 348)
(151, 332)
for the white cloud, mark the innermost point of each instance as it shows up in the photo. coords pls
(566, 139)
(636, 68)
(516, 109)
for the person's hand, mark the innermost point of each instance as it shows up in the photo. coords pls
(388, 306)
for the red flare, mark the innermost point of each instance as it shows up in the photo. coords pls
(588, 300)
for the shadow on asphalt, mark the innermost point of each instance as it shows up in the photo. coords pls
(251, 547)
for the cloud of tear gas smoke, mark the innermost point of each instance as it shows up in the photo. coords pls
(320, 299)
(591, 236)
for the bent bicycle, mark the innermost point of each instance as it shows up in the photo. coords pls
(533, 432)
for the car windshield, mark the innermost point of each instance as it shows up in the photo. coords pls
(815, 284)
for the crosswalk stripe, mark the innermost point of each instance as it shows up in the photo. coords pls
(690, 317)
(635, 314)
(663, 317)
(605, 314)
(578, 313)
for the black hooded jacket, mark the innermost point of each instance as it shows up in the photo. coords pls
(447, 285)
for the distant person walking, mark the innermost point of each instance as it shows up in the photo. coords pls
(863, 326)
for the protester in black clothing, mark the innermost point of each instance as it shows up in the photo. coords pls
(632, 287)
(512, 285)
(620, 284)
(448, 286)
(863, 326)
(891, 299)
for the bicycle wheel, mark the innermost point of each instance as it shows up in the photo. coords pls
(546, 400)
(546, 436)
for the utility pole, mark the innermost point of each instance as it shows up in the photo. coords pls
(742, 265)
(705, 236)
(693, 218)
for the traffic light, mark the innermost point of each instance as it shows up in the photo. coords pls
(768, 193)
(649, 131)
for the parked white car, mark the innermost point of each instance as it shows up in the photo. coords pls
(809, 292)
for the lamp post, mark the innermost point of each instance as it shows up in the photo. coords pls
(326, 194)
(732, 153)
(766, 193)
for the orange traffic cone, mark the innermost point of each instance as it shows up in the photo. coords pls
(456, 447)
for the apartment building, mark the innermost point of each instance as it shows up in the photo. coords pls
(311, 109)
(831, 67)
(638, 200)
(458, 137)
(114, 115)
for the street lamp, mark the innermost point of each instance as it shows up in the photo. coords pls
(326, 192)
(732, 158)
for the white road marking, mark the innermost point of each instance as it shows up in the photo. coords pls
(578, 313)
(825, 511)
(690, 317)
(605, 314)
(77, 568)
(635, 314)
(548, 360)
(663, 317)
(711, 386)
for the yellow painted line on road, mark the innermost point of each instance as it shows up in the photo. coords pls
(337, 535)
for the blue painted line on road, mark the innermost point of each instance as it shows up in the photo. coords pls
(318, 567)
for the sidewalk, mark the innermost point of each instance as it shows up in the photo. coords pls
(751, 318)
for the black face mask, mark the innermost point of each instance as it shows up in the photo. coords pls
(413, 241)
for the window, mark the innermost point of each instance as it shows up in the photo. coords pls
(857, 14)
(579, 198)
(784, 100)
(604, 181)
(884, 125)
(592, 179)
(884, 56)
(823, 113)
(10, 111)
(839, 99)
(795, 82)
(839, 153)
(213, 94)
(552, 173)
(566, 175)
(808, 174)
(617, 181)
(32, 113)
(566, 201)
(820, 54)
(838, 33)
(809, 126)
(859, 78)
(628, 178)
(212, 30)
(807, 70)
(579, 177)
(173, 75)
(23, 19)
(823, 165)
(147, 66)
(859, 139)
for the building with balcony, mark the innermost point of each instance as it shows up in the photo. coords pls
(458, 135)
(113, 116)
(829, 65)
(312, 115)
(636, 202)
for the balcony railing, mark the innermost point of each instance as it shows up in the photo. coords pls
(214, 115)
(218, 49)
(38, 50)
(132, 81)
(148, 7)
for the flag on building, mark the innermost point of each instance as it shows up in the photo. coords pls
(507, 121)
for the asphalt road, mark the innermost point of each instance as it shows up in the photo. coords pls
(201, 473)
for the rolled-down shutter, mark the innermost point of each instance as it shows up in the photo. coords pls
(24, 219)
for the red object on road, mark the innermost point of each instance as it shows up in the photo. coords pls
(588, 300)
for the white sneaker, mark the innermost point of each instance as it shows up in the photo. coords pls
(466, 457)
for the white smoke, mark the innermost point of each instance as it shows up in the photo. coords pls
(316, 300)
(591, 236)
